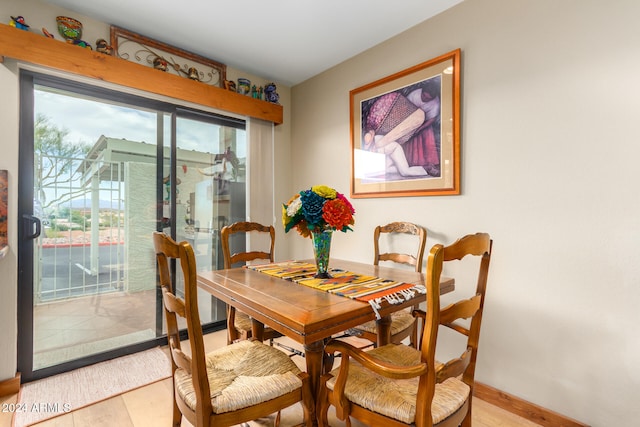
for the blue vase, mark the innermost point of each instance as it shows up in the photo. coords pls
(321, 249)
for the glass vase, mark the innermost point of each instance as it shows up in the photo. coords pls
(321, 249)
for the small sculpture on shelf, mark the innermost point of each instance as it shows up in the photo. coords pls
(193, 73)
(159, 63)
(103, 47)
(270, 93)
(18, 22)
(81, 43)
(256, 92)
(230, 85)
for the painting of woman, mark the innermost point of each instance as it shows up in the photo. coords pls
(405, 126)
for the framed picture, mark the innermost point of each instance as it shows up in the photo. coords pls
(4, 211)
(405, 132)
(153, 53)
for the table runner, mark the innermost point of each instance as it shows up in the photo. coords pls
(345, 283)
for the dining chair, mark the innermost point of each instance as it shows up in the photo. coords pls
(403, 323)
(239, 323)
(398, 385)
(234, 384)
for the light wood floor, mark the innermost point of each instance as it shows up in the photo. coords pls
(150, 406)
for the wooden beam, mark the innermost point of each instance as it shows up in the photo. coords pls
(33, 48)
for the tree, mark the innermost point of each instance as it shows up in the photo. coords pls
(56, 163)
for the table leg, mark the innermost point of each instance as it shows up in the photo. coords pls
(314, 354)
(384, 330)
(327, 359)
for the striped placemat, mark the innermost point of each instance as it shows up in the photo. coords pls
(345, 283)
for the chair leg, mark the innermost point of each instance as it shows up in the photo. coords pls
(322, 406)
(308, 405)
(232, 333)
(466, 422)
(414, 335)
(177, 415)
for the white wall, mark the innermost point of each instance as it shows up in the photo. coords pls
(550, 146)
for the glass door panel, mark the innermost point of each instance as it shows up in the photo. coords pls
(95, 196)
(210, 193)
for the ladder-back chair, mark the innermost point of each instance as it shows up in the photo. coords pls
(230, 385)
(398, 385)
(403, 324)
(239, 323)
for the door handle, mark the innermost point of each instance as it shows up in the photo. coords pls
(28, 221)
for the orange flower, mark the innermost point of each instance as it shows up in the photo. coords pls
(303, 229)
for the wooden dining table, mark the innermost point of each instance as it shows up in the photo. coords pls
(304, 314)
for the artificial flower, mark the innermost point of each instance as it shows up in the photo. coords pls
(318, 209)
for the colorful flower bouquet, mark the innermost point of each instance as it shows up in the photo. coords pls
(316, 213)
(316, 210)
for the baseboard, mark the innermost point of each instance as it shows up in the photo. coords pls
(10, 386)
(522, 408)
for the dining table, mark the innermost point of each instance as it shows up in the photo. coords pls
(307, 315)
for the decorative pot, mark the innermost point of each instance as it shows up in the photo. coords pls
(321, 249)
(244, 86)
(69, 28)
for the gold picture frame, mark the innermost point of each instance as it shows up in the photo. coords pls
(152, 53)
(405, 132)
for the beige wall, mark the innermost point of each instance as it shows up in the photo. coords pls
(550, 147)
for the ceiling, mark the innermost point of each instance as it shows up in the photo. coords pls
(287, 41)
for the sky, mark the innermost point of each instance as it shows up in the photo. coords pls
(86, 120)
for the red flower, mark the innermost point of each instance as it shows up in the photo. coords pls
(337, 214)
(346, 201)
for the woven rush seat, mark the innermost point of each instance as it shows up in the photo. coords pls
(397, 398)
(242, 374)
(242, 321)
(400, 320)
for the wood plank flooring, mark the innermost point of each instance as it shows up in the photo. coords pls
(150, 406)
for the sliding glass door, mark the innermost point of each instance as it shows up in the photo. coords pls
(210, 192)
(100, 172)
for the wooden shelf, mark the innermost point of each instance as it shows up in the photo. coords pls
(33, 48)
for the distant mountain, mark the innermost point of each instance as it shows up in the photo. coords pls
(86, 204)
